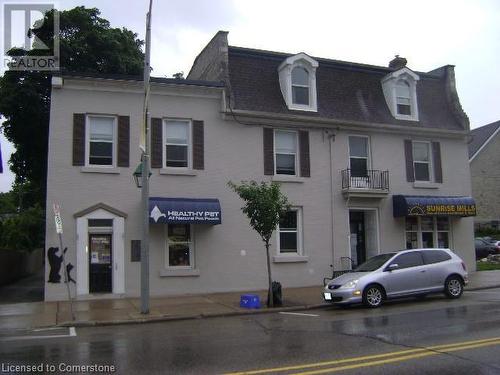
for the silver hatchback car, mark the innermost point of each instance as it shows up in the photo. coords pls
(415, 272)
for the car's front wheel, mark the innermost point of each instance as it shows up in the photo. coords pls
(373, 296)
(453, 287)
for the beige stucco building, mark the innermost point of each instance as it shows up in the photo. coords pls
(373, 159)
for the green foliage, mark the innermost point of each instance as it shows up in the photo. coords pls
(87, 44)
(8, 203)
(23, 231)
(487, 266)
(264, 203)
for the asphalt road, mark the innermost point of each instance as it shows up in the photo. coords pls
(434, 336)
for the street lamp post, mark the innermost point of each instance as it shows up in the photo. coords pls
(145, 173)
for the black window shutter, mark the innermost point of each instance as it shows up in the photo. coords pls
(410, 175)
(198, 145)
(436, 155)
(305, 163)
(156, 143)
(123, 141)
(268, 151)
(78, 139)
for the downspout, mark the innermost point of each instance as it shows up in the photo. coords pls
(331, 138)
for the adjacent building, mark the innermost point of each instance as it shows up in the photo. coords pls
(484, 159)
(373, 159)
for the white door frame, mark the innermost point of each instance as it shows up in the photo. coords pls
(82, 251)
(376, 220)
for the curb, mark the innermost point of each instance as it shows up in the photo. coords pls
(166, 318)
(482, 287)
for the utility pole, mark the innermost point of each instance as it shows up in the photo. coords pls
(145, 146)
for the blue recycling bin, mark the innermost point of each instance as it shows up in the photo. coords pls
(250, 301)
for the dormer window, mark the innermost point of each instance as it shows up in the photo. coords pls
(300, 86)
(297, 76)
(403, 98)
(400, 92)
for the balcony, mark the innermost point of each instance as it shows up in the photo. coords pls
(368, 184)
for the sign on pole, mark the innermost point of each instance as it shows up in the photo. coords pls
(58, 220)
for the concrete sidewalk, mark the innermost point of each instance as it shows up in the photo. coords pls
(127, 310)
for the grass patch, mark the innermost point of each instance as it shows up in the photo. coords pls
(487, 266)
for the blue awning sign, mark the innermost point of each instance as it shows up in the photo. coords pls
(184, 211)
(411, 205)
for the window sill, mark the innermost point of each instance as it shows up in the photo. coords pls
(425, 185)
(177, 172)
(111, 170)
(290, 259)
(298, 107)
(285, 178)
(405, 117)
(179, 273)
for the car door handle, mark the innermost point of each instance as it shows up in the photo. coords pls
(423, 270)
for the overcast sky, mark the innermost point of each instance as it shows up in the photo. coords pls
(428, 33)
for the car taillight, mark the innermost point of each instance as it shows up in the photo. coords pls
(464, 266)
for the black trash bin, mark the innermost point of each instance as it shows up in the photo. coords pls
(277, 296)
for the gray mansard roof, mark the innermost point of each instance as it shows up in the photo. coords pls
(346, 91)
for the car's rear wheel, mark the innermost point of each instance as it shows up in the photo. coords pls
(373, 296)
(453, 287)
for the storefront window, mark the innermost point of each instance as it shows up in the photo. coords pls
(179, 246)
(411, 232)
(427, 231)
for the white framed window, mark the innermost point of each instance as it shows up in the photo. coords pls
(400, 92)
(179, 246)
(403, 98)
(359, 160)
(285, 152)
(101, 138)
(422, 165)
(427, 232)
(289, 231)
(297, 78)
(177, 143)
(300, 86)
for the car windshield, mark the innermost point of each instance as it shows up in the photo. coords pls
(374, 263)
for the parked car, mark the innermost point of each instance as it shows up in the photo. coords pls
(484, 248)
(416, 272)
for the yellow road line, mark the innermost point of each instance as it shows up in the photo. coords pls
(426, 350)
(397, 359)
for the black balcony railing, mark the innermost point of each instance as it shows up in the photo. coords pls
(369, 179)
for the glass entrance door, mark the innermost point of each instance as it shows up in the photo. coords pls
(100, 259)
(358, 246)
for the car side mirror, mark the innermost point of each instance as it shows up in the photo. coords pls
(392, 267)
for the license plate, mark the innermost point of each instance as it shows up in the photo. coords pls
(328, 296)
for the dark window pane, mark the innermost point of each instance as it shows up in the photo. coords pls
(177, 156)
(358, 146)
(359, 167)
(178, 255)
(427, 239)
(101, 149)
(179, 233)
(289, 220)
(443, 223)
(404, 109)
(422, 172)
(300, 95)
(435, 256)
(411, 223)
(409, 260)
(285, 164)
(443, 240)
(100, 222)
(411, 240)
(288, 242)
(100, 160)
